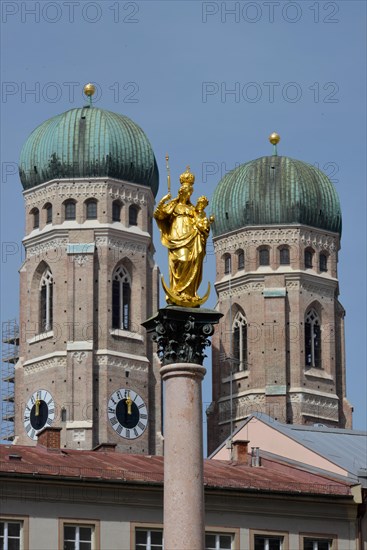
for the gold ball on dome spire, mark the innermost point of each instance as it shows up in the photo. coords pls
(274, 138)
(89, 89)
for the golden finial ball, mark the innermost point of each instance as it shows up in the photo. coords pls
(89, 89)
(274, 138)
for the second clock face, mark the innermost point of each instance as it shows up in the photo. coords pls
(127, 413)
(39, 412)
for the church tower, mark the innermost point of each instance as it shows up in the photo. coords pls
(279, 347)
(88, 281)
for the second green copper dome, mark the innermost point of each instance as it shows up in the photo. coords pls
(275, 190)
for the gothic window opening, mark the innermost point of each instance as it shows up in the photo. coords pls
(241, 259)
(309, 258)
(121, 293)
(46, 301)
(116, 211)
(313, 339)
(284, 258)
(240, 342)
(227, 264)
(323, 262)
(48, 208)
(264, 256)
(91, 206)
(70, 210)
(36, 218)
(133, 215)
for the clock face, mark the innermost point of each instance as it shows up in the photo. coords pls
(39, 412)
(127, 413)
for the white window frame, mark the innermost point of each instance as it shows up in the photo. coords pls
(148, 531)
(267, 534)
(123, 277)
(217, 535)
(77, 528)
(315, 538)
(21, 522)
(94, 524)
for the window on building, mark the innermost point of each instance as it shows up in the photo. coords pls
(36, 218)
(46, 301)
(152, 539)
(309, 258)
(317, 544)
(121, 291)
(241, 259)
(91, 206)
(240, 341)
(323, 262)
(313, 339)
(48, 208)
(133, 215)
(116, 211)
(227, 264)
(284, 256)
(70, 210)
(11, 535)
(148, 539)
(78, 537)
(268, 542)
(264, 256)
(218, 541)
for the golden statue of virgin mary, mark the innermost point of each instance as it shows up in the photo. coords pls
(184, 231)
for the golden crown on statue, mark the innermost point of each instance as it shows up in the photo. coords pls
(187, 177)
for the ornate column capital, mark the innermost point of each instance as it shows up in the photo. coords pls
(182, 333)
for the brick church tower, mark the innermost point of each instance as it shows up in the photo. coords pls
(88, 281)
(279, 347)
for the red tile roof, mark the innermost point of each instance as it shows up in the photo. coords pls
(273, 475)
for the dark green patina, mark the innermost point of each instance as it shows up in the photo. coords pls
(275, 190)
(88, 142)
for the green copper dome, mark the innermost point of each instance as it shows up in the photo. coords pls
(88, 142)
(275, 190)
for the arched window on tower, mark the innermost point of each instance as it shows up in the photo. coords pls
(264, 256)
(240, 341)
(133, 215)
(46, 301)
(70, 210)
(284, 255)
(227, 264)
(36, 218)
(309, 258)
(116, 211)
(121, 292)
(48, 208)
(312, 339)
(91, 209)
(323, 262)
(240, 259)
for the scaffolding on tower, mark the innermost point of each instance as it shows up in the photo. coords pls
(10, 356)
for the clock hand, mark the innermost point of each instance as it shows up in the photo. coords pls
(128, 402)
(37, 403)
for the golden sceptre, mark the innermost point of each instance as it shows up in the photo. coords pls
(168, 174)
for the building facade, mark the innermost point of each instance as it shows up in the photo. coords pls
(88, 281)
(279, 347)
(60, 498)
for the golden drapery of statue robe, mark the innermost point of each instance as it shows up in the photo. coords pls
(185, 240)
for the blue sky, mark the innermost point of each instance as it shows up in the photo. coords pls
(208, 82)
